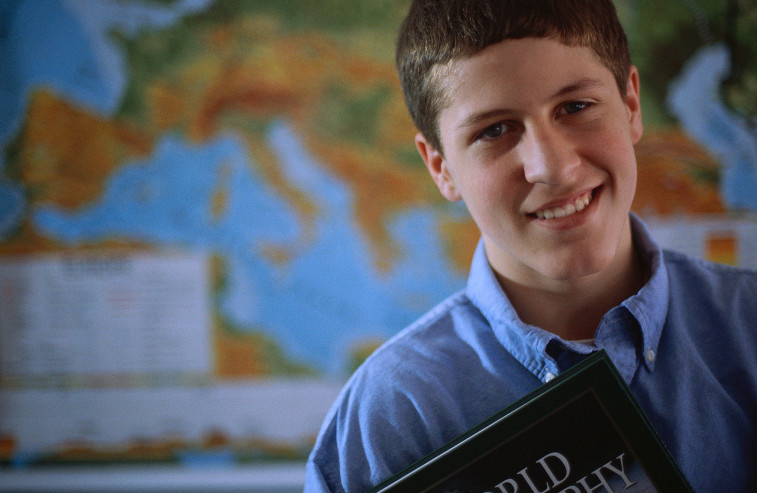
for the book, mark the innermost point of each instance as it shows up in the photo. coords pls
(582, 432)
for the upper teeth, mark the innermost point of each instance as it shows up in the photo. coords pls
(568, 210)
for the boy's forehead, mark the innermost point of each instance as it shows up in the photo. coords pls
(519, 70)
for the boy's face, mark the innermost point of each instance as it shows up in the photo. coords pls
(536, 130)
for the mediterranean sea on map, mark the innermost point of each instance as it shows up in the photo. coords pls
(311, 305)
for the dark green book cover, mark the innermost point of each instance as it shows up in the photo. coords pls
(583, 432)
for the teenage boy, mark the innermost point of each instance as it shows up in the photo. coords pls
(528, 111)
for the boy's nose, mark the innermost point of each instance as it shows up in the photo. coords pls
(548, 156)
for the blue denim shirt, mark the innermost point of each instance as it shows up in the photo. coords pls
(686, 344)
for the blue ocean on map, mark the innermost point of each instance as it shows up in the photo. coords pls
(695, 100)
(328, 296)
(64, 45)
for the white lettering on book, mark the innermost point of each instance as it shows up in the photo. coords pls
(553, 470)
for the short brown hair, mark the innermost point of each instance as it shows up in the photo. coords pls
(436, 32)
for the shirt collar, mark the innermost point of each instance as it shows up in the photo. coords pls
(650, 305)
(528, 343)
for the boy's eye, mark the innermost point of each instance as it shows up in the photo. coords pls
(574, 107)
(493, 131)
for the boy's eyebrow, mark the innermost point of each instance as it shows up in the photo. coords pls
(581, 84)
(474, 119)
(585, 83)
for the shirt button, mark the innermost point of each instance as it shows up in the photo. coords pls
(651, 355)
(549, 377)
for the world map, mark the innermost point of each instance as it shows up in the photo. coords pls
(222, 202)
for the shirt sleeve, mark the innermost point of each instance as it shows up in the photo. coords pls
(346, 456)
(315, 482)
(409, 398)
(322, 473)
(375, 428)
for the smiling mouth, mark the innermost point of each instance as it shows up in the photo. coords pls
(574, 207)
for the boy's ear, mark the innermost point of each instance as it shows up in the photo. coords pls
(437, 167)
(633, 103)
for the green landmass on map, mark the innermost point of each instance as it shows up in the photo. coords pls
(663, 35)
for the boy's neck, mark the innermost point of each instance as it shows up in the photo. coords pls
(576, 307)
